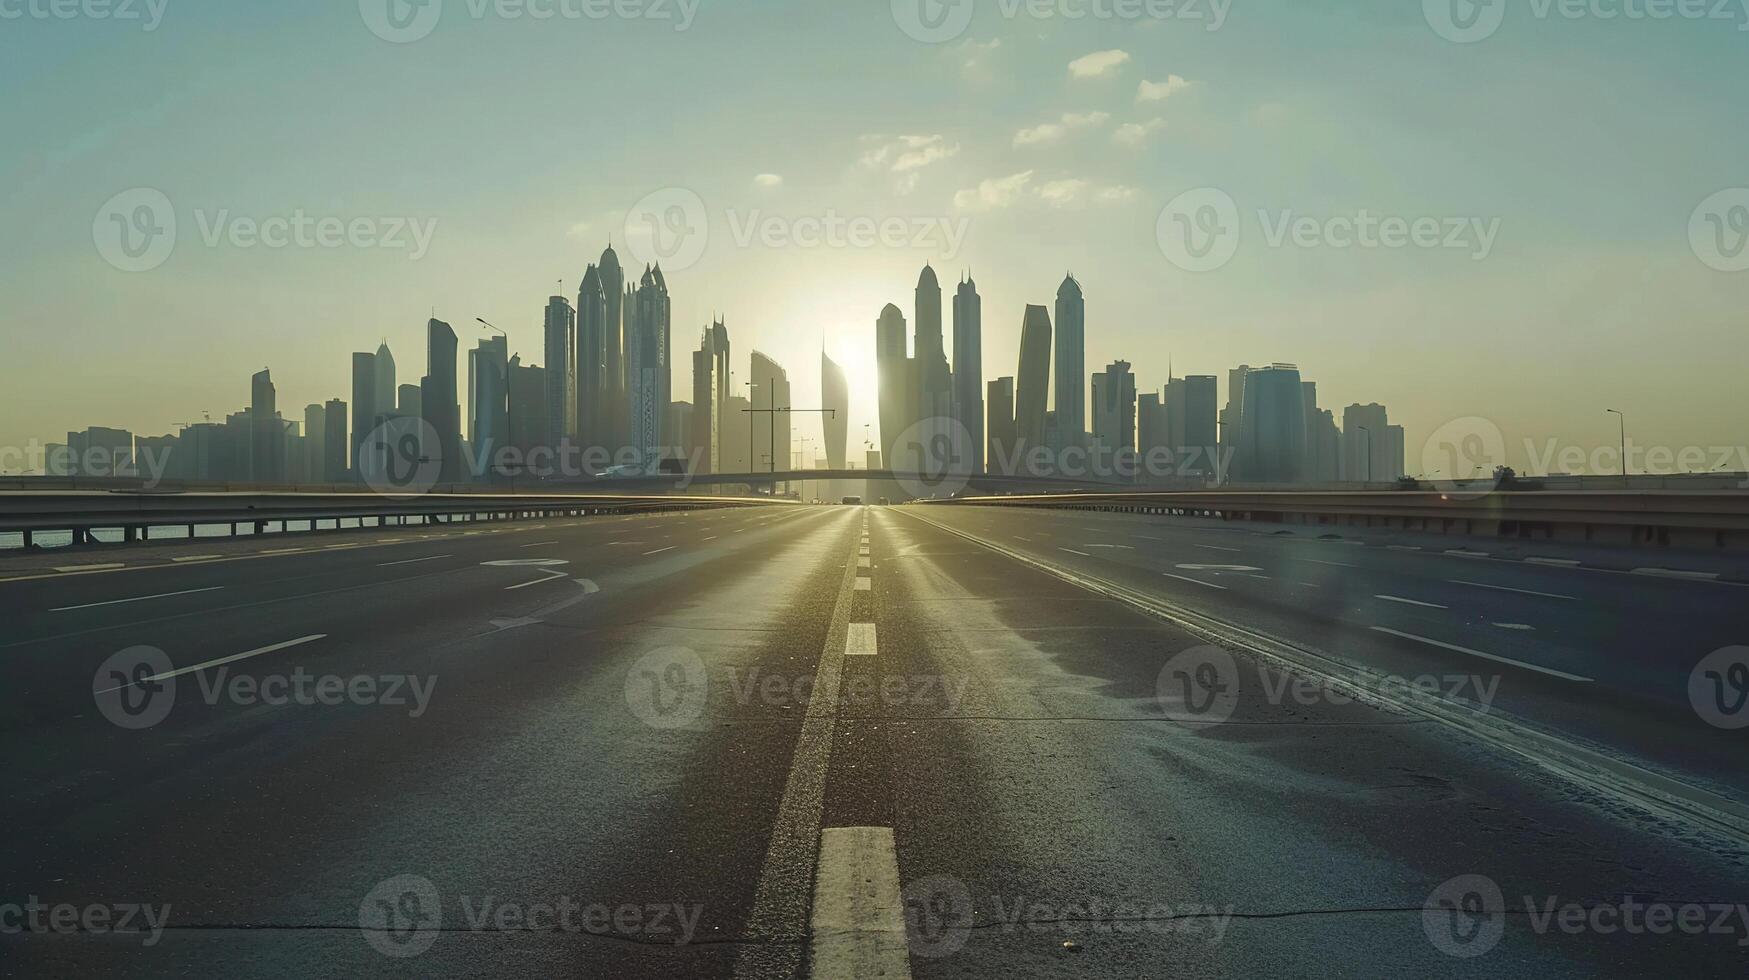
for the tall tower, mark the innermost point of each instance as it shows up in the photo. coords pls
(364, 403)
(590, 360)
(934, 381)
(896, 378)
(561, 383)
(968, 366)
(438, 400)
(835, 388)
(1032, 381)
(1071, 406)
(385, 381)
(613, 286)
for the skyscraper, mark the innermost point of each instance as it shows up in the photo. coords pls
(896, 375)
(1071, 405)
(1365, 444)
(1195, 432)
(266, 433)
(1001, 442)
(1114, 407)
(1273, 445)
(968, 366)
(835, 392)
(648, 373)
(528, 407)
(559, 334)
(438, 400)
(1032, 380)
(364, 402)
(589, 364)
(771, 431)
(409, 402)
(613, 394)
(489, 396)
(385, 381)
(334, 441)
(315, 442)
(934, 380)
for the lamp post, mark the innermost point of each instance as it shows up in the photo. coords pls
(1623, 420)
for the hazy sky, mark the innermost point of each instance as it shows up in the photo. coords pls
(1572, 153)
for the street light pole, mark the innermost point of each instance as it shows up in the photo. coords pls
(1623, 419)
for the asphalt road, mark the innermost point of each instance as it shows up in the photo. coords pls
(732, 744)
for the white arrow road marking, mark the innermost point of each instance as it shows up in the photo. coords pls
(549, 573)
(541, 615)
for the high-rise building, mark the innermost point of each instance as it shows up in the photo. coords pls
(968, 366)
(934, 379)
(559, 333)
(100, 451)
(1232, 420)
(334, 441)
(649, 376)
(315, 442)
(1393, 456)
(1000, 443)
(489, 396)
(1071, 336)
(1032, 380)
(408, 406)
(835, 393)
(896, 378)
(1153, 434)
(1195, 427)
(1273, 446)
(1324, 449)
(528, 407)
(1365, 444)
(771, 434)
(612, 434)
(364, 403)
(589, 363)
(735, 436)
(1114, 407)
(266, 433)
(438, 400)
(385, 381)
(710, 383)
(678, 424)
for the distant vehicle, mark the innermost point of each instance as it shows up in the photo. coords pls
(884, 502)
(853, 501)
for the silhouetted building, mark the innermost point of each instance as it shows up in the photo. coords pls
(588, 363)
(559, 334)
(835, 392)
(1366, 448)
(771, 434)
(489, 397)
(528, 407)
(707, 408)
(315, 442)
(385, 386)
(267, 449)
(1032, 380)
(1273, 444)
(364, 402)
(1114, 407)
(613, 386)
(410, 405)
(438, 400)
(334, 441)
(999, 408)
(896, 378)
(968, 366)
(649, 374)
(1071, 337)
(934, 379)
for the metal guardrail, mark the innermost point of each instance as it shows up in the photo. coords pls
(134, 514)
(1688, 519)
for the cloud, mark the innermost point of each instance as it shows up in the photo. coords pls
(1051, 132)
(1161, 91)
(993, 193)
(1098, 63)
(1115, 194)
(1062, 193)
(1134, 134)
(768, 180)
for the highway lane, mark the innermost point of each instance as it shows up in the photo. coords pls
(1601, 656)
(753, 744)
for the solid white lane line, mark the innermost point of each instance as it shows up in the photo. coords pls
(195, 558)
(139, 598)
(1123, 547)
(1320, 561)
(1402, 547)
(221, 661)
(1411, 602)
(858, 923)
(1485, 656)
(1461, 553)
(413, 561)
(1676, 573)
(1508, 588)
(1186, 578)
(1072, 551)
(860, 641)
(660, 550)
(88, 568)
(537, 544)
(1019, 538)
(865, 585)
(1556, 562)
(1215, 547)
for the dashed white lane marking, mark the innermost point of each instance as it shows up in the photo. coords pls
(865, 585)
(660, 550)
(138, 598)
(1508, 588)
(1320, 561)
(1676, 573)
(711, 538)
(300, 641)
(865, 563)
(860, 641)
(1485, 656)
(1557, 562)
(858, 924)
(1411, 602)
(413, 561)
(1461, 553)
(1019, 538)
(1402, 547)
(1524, 627)
(1072, 551)
(187, 558)
(537, 544)
(1123, 547)
(88, 568)
(1214, 547)
(1186, 578)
